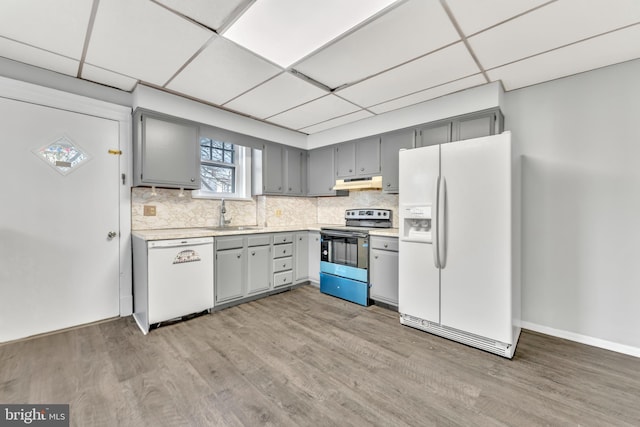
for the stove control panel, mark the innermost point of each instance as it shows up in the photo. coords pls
(384, 214)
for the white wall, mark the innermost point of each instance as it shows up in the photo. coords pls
(580, 138)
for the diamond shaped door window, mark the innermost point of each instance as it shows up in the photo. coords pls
(63, 155)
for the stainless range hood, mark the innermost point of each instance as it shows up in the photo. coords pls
(370, 183)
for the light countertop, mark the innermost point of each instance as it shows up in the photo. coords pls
(185, 233)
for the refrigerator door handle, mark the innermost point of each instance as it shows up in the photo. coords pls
(435, 227)
(442, 223)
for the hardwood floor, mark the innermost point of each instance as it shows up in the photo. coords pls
(302, 358)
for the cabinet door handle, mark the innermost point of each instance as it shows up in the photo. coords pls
(376, 256)
(253, 253)
(284, 265)
(238, 255)
(350, 170)
(361, 169)
(284, 251)
(386, 245)
(388, 184)
(193, 179)
(289, 188)
(300, 238)
(284, 279)
(279, 188)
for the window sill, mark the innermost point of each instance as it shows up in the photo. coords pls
(195, 195)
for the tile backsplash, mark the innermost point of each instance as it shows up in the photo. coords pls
(183, 212)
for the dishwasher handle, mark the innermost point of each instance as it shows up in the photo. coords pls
(176, 243)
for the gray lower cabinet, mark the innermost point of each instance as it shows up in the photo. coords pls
(391, 144)
(383, 269)
(314, 256)
(166, 151)
(230, 267)
(282, 259)
(258, 269)
(301, 257)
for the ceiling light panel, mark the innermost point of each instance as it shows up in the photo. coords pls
(57, 26)
(594, 53)
(284, 31)
(551, 26)
(339, 121)
(38, 57)
(314, 112)
(404, 33)
(474, 15)
(278, 94)
(440, 67)
(212, 13)
(425, 95)
(109, 78)
(221, 72)
(143, 40)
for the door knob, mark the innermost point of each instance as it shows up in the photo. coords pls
(111, 235)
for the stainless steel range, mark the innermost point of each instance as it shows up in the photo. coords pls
(344, 254)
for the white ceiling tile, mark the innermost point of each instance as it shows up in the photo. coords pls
(317, 111)
(40, 58)
(58, 26)
(221, 72)
(404, 33)
(106, 77)
(143, 40)
(284, 31)
(339, 121)
(474, 15)
(551, 26)
(212, 13)
(597, 52)
(278, 94)
(428, 94)
(431, 70)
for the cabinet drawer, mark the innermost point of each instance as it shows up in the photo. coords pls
(280, 251)
(282, 264)
(282, 238)
(384, 243)
(283, 278)
(223, 243)
(260, 240)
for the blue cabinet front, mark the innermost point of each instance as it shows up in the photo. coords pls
(350, 290)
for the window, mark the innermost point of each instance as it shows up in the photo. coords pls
(224, 169)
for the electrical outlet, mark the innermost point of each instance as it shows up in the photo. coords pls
(149, 210)
(278, 213)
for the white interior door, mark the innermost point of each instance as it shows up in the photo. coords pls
(476, 281)
(58, 266)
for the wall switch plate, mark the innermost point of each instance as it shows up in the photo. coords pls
(149, 210)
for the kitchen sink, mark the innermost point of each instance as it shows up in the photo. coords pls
(234, 228)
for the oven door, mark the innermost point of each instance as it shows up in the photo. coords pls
(346, 248)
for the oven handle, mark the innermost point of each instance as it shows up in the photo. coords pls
(342, 233)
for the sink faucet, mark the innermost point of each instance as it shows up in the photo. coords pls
(223, 210)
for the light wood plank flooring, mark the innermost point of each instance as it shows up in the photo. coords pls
(302, 358)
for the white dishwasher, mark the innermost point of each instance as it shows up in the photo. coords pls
(174, 278)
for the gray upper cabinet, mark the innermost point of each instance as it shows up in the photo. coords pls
(434, 133)
(321, 172)
(358, 158)
(272, 169)
(476, 126)
(391, 144)
(283, 170)
(166, 151)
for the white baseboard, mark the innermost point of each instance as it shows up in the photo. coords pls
(583, 339)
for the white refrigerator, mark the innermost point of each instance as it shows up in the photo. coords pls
(459, 242)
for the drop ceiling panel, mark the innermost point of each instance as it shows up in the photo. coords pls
(275, 96)
(551, 26)
(314, 112)
(284, 31)
(143, 40)
(40, 58)
(474, 15)
(597, 52)
(428, 94)
(440, 67)
(404, 33)
(212, 13)
(58, 26)
(109, 78)
(339, 121)
(221, 72)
